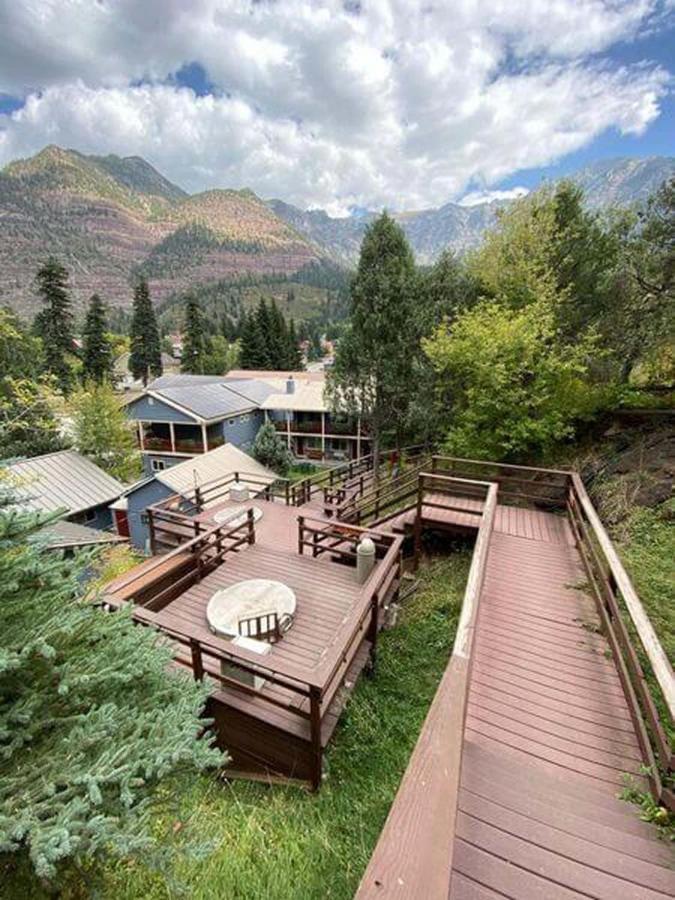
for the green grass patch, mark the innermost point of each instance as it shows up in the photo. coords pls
(282, 843)
(646, 541)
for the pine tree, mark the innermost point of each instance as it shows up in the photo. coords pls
(374, 366)
(56, 321)
(270, 449)
(92, 717)
(145, 358)
(196, 344)
(97, 357)
(293, 354)
(254, 354)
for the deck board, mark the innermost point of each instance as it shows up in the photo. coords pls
(548, 738)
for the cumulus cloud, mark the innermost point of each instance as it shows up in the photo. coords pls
(332, 104)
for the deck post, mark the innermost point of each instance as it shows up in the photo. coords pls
(151, 532)
(251, 526)
(373, 629)
(197, 663)
(418, 522)
(315, 732)
(199, 500)
(301, 534)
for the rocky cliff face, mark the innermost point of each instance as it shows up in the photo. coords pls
(109, 219)
(460, 228)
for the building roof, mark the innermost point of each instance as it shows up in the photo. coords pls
(206, 401)
(63, 480)
(121, 364)
(215, 464)
(62, 535)
(252, 388)
(182, 379)
(307, 396)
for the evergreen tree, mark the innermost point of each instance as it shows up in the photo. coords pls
(93, 717)
(56, 321)
(374, 366)
(103, 433)
(145, 358)
(270, 449)
(293, 354)
(254, 353)
(196, 343)
(97, 356)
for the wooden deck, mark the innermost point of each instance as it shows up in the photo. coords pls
(278, 726)
(524, 803)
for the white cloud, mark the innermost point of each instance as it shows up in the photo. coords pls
(473, 198)
(402, 103)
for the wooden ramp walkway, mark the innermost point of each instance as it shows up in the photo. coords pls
(533, 811)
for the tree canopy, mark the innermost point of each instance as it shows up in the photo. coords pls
(93, 717)
(97, 352)
(270, 449)
(56, 321)
(145, 358)
(374, 365)
(103, 432)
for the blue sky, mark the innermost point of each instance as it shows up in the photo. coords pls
(338, 105)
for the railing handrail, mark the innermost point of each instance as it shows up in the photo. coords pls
(501, 465)
(202, 538)
(658, 660)
(220, 481)
(434, 769)
(381, 490)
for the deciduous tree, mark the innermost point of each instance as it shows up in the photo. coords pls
(103, 433)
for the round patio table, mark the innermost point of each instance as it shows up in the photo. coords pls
(245, 600)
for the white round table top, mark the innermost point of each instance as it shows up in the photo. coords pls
(236, 515)
(245, 599)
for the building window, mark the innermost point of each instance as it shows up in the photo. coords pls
(244, 418)
(231, 421)
(90, 515)
(158, 465)
(145, 518)
(151, 401)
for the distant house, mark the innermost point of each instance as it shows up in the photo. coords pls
(297, 406)
(66, 480)
(182, 478)
(179, 416)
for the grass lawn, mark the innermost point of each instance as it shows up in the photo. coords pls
(281, 843)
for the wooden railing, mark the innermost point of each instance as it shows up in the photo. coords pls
(424, 811)
(306, 489)
(544, 487)
(171, 522)
(146, 585)
(361, 500)
(625, 620)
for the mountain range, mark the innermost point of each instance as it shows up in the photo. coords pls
(110, 219)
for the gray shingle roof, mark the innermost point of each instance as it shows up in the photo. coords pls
(64, 479)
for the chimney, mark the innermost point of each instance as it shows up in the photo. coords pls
(290, 385)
